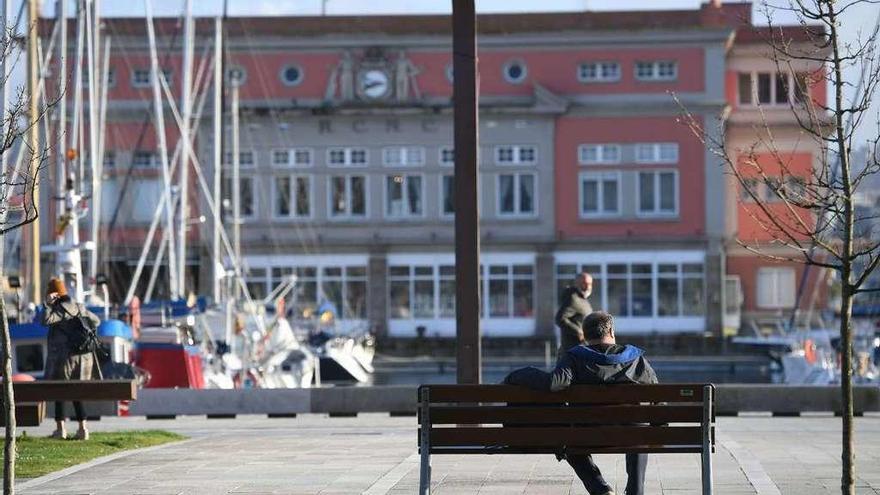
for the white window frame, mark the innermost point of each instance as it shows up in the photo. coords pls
(775, 300)
(136, 82)
(237, 82)
(287, 82)
(656, 155)
(347, 157)
(516, 152)
(516, 195)
(601, 150)
(408, 156)
(348, 215)
(656, 212)
(508, 65)
(600, 177)
(441, 151)
(655, 70)
(597, 67)
(255, 207)
(291, 158)
(753, 81)
(276, 163)
(227, 159)
(155, 161)
(109, 159)
(293, 215)
(406, 179)
(442, 191)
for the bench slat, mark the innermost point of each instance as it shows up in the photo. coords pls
(582, 394)
(81, 390)
(561, 414)
(584, 437)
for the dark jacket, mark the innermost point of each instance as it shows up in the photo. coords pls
(570, 316)
(590, 365)
(61, 362)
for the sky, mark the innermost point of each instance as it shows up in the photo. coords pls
(857, 22)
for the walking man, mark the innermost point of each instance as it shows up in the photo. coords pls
(574, 308)
(600, 361)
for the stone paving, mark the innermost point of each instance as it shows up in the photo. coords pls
(376, 454)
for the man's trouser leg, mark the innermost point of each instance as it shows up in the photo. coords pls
(636, 465)
(589, 473)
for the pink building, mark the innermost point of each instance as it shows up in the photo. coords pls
(347, 151)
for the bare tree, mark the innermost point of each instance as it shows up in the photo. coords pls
(19, 207)
(807, 214)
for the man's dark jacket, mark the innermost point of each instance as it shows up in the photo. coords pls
(595, 364)
(570, 316)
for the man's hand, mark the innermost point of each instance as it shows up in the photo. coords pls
(51, 298)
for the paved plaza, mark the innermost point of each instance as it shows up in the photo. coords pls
(376, 454)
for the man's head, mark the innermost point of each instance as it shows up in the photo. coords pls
(584, 282)
(599, 328)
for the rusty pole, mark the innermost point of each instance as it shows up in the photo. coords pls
(467, 216)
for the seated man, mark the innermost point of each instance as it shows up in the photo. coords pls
(599, 361)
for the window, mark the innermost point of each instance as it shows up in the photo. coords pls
(658, 193)
(111, 78)
(347, 157)
(516, 194)
(247, 196)
(776, 287)
(403, 196)
(345, 289)
(768, 88)
(291, 75)
(403, 156)
(109, 159)
(750, 187)
(447, 195)
(627, 289)
(246, 159)
(509, 290)
(140, 78)
(516, 155)
(348, 196)
(292, 197)
(339, 289)
(281, 158)
(145, 159)
(447, 155)
(515, 71)
(600, 194)
(599, 72)
(236, 76)
(661, 70)
(657, 152)
(29, 357)
(594, 154)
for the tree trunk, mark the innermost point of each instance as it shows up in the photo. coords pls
(8, 400)
(847, 478)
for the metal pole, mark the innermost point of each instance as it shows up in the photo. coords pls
(92, 52)
(186, 110)
(218, 150)
(159, 112)
(467, 217)
(236, 187)
(34, 143)
(60, 128)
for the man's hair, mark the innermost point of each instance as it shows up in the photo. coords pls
(598, 325)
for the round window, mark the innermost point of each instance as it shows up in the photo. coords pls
(515, 71)
(236, 76)
(291, 75)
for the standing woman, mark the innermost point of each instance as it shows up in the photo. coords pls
(64, 361)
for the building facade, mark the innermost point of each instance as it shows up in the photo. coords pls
(347, 165)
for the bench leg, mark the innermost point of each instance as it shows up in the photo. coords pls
(425, 444)
(706, 455)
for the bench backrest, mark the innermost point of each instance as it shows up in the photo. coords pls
(588, 418)
(83, 390)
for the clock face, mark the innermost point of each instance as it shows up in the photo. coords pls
(373, 83)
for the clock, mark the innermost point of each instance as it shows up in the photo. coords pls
(373, 84)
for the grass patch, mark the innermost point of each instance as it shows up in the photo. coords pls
(40, 455)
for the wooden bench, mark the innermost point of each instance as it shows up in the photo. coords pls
(506, 419)
(31, 397)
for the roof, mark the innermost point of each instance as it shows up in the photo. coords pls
(765, 34)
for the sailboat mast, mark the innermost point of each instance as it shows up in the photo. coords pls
(61, 126)
(218, 150)
(186, 110)
(94, 168)
(33, 142)
(236, 189)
